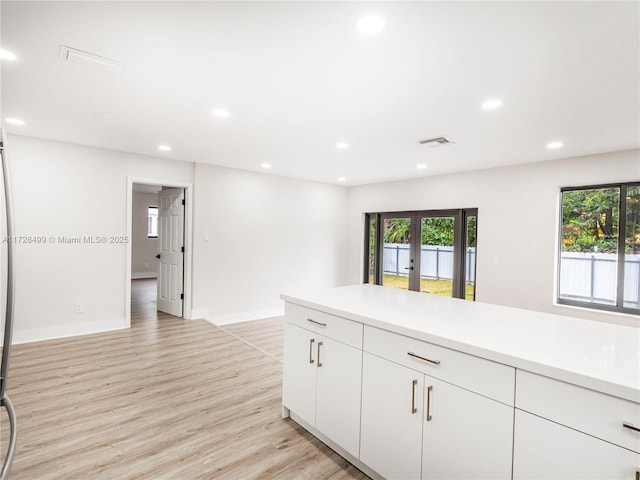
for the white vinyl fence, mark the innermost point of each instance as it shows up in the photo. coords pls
(592, 277)
(436, 261)
(587, 277)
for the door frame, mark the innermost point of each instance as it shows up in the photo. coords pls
(188, 241)
(460, 216)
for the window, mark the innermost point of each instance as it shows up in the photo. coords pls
(430, 251)
(152, 222)
(599, 264)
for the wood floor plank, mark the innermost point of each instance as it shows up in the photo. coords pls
(264, 334)
(167, 399)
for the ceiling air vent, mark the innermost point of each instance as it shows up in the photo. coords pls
(435, 141)
(86, 58)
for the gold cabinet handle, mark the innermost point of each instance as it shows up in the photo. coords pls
(319, 363)
(435, 362)
(638, 474)
(630, 426)
(311, 350)
(316, 322)
(429, 390)
(413, 397)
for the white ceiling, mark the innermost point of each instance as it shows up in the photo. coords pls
(298, 77)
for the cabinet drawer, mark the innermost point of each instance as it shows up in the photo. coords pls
(485, 377)
(337, 328)
(547, 450)
(585, 410)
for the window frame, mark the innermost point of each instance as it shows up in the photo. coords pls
(148, 216)
(460, 228)
(620, 262)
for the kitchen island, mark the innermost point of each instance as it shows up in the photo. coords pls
(415, 386)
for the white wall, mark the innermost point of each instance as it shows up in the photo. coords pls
(266, 234)
(69, 190)
(518, 209)
(144, 263)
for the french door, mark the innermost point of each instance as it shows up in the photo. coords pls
(429, 251)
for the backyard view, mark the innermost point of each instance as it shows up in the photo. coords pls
(591, 267)
(433, 258)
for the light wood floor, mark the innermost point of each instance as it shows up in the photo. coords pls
(167, 399)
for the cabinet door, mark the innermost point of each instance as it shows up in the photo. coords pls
(299, 372)
(339, 369)
(466, 436)
(391, 431)
(546, 450)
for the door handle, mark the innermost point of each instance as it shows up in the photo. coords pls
(319, 362)
(158, 256)
(413, 397)
(311, 350)
(429, 390)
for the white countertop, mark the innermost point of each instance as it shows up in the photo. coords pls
(596, 355)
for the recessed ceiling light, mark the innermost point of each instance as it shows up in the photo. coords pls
(164, 148)
(7, 55)
(342, 145)
(342, 179)
(266, 166)
(555, 145)
(421, 166)
(220, 112)
(492, 104)
(15, 121)
(371, 24)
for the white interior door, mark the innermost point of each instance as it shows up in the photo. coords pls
(170, 250)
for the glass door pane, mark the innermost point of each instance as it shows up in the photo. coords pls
(470, 258)
(437, 256)
(371, 269)
(396, 256)
(632, 250)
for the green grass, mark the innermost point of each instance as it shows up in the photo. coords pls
(427, 285)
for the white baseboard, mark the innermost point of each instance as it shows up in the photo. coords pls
(199, 314)
(71, 330)
(138, 275)
(238, 317)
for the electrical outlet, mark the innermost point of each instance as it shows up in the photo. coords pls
(78, 307)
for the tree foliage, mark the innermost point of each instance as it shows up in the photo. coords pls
(632, 240)
(437, 231)
(590, 220)
(433, 231)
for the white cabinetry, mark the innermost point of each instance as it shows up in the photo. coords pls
(414, 425)
(563, 431)
(545, 450)
(477, 429)
(322, 375)
(392, 413)
(412, 386)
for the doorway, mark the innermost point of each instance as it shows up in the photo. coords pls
(430, 251)
(158, 259)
